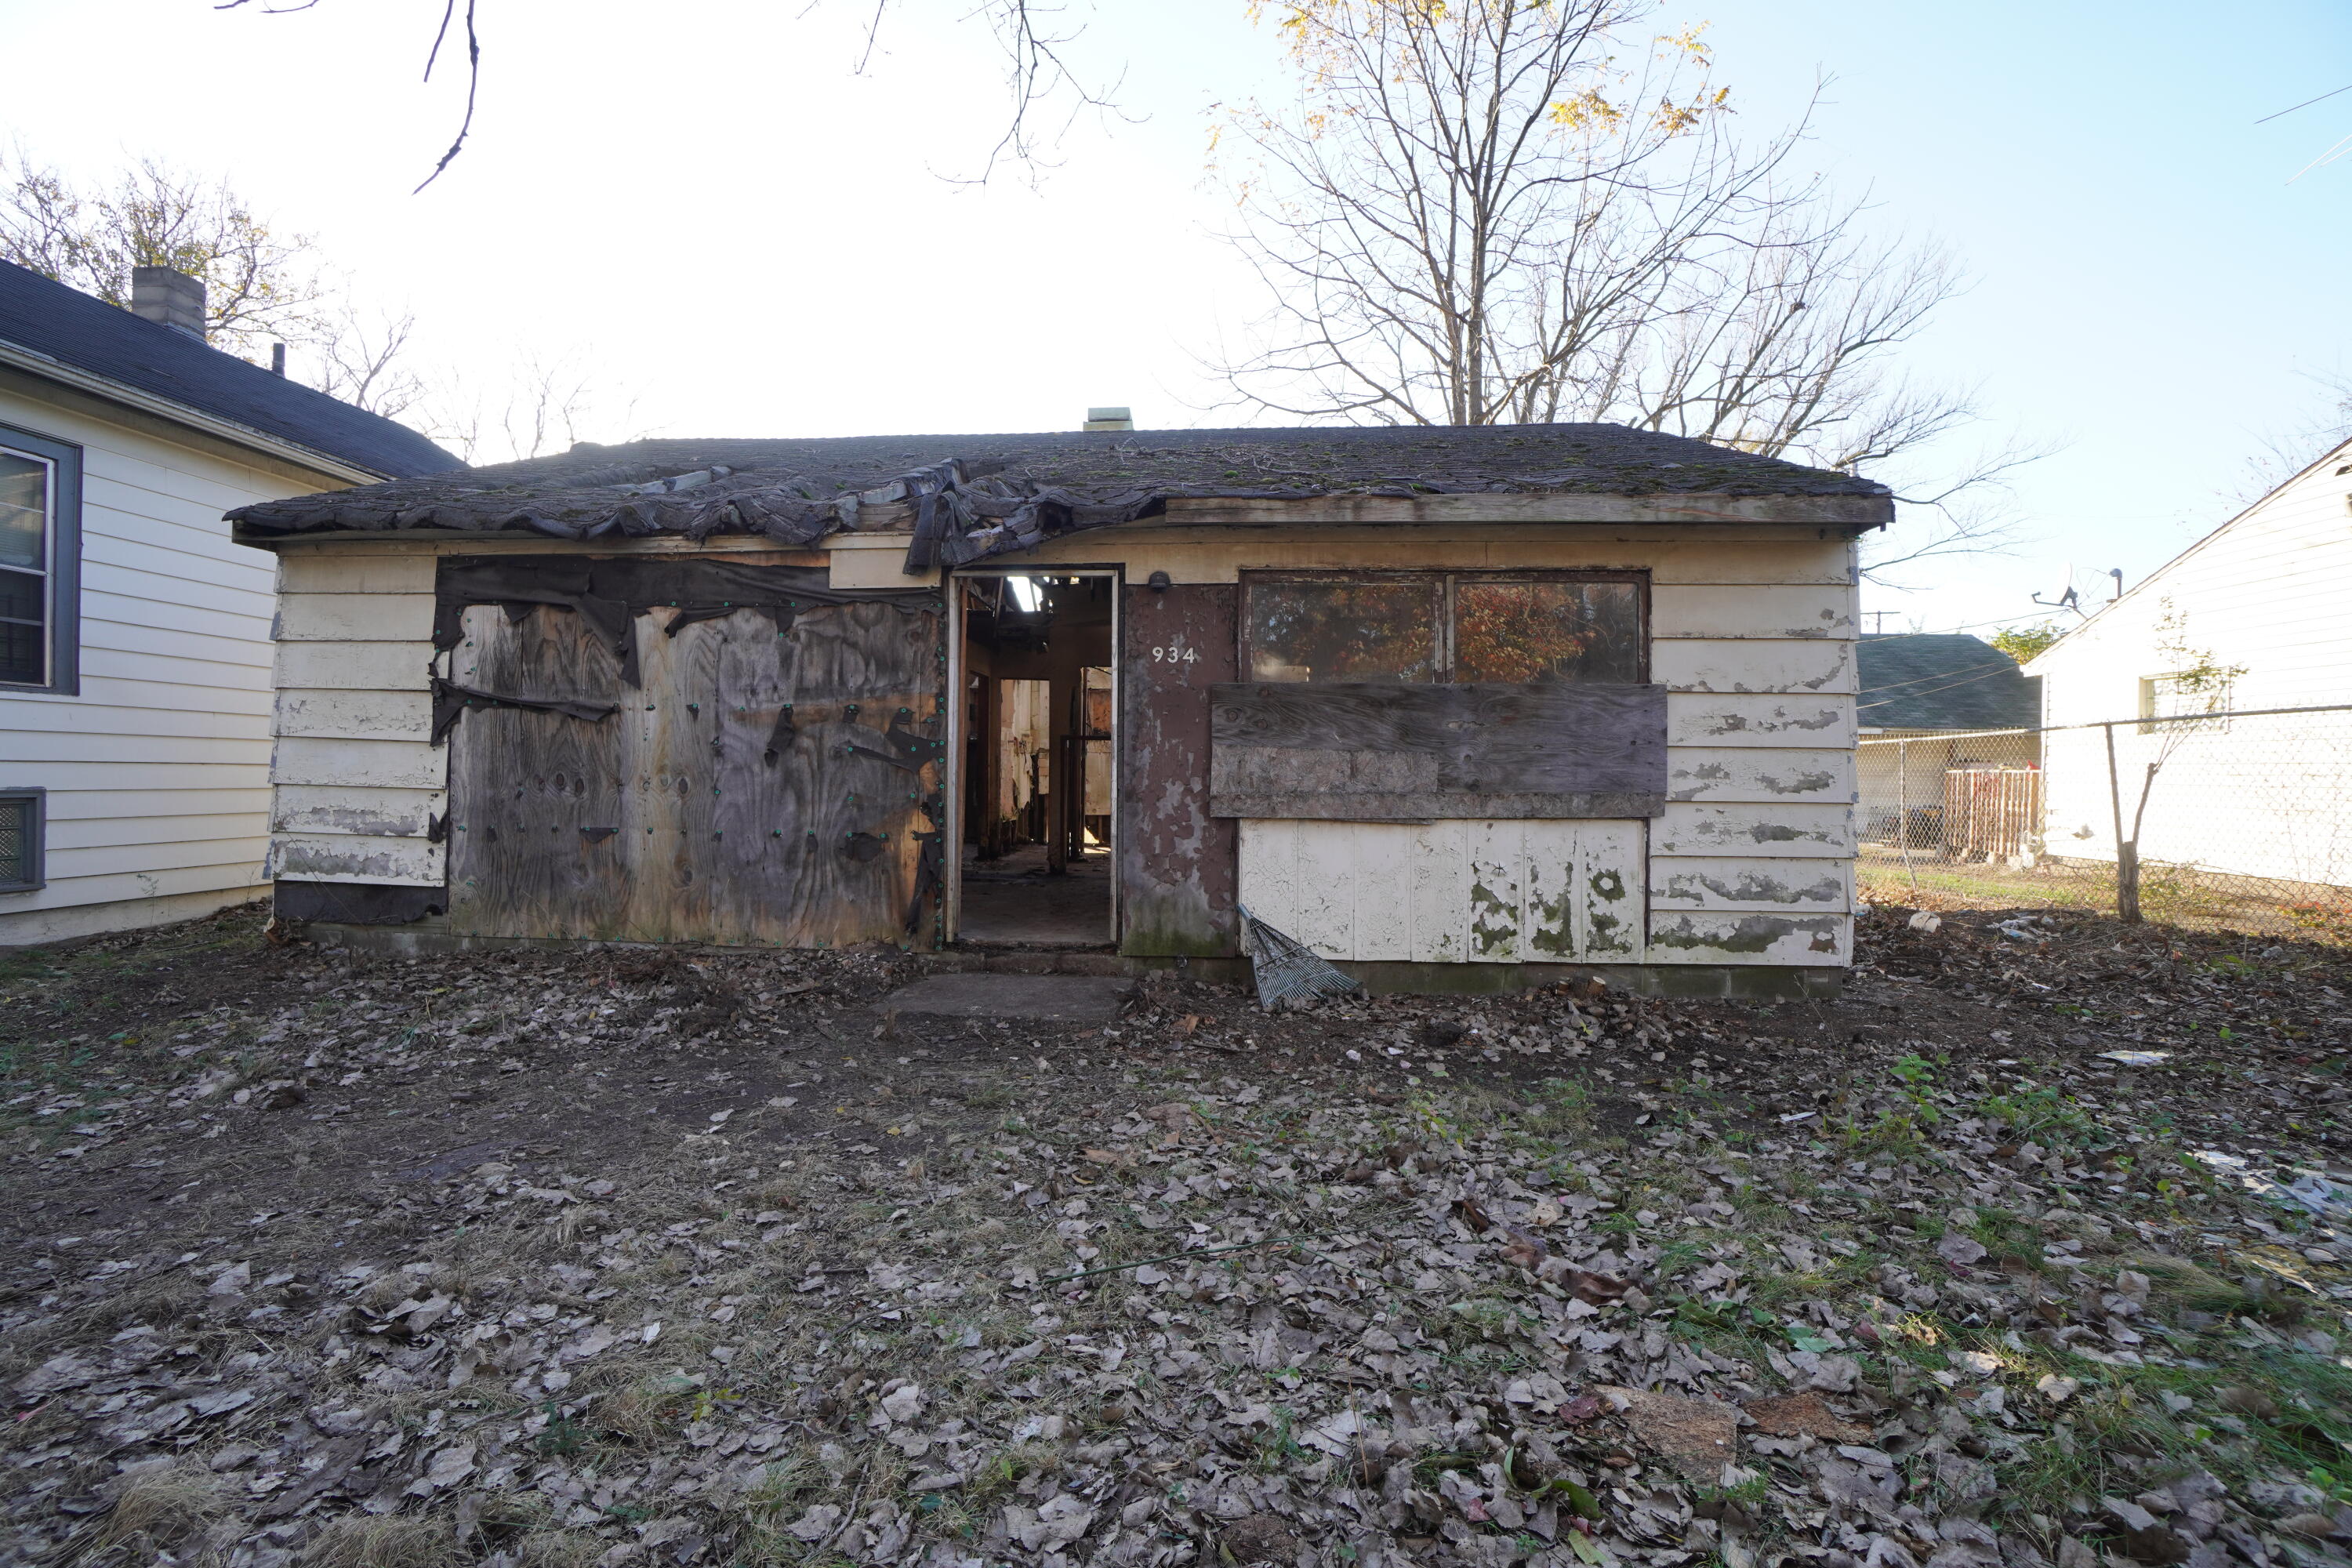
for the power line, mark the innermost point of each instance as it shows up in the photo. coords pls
(2306, 103)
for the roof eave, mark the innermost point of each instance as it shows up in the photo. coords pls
(1845, 513)
(18, 357)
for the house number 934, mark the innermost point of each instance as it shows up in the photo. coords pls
(1175, 653)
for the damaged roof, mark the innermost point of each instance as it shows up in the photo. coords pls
(976, 496)
(66, 327)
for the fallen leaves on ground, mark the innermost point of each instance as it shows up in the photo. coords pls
(538, 1266)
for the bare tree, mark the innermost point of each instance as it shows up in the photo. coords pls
(1484, 212)
(551, 403)
(260, 283)
(1037, 71)
(365, 362)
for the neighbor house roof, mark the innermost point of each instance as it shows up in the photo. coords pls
(51, 325)
(982, 495)
(1948, 681)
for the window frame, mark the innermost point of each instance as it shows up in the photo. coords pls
(35, 839)
(63, 673)
(1447, 578)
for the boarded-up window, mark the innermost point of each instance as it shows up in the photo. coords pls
(1522, 629)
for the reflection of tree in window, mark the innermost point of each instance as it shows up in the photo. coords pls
(1522, 632)
(1343, 631)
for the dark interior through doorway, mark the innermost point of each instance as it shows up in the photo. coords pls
(1037, 759)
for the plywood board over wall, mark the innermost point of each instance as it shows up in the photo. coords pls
(696, 810)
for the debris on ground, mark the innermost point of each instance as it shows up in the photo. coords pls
(319, 1259)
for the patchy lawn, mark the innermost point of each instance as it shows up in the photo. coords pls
(628, 1257)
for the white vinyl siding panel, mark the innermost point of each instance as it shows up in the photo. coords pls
(157, 768)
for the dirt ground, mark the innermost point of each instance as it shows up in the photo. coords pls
(632, 1257)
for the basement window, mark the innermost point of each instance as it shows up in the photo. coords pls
(1515, 628)
(22, 822)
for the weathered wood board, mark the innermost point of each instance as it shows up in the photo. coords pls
(354, 715)
(1736, 665)
(356, 857)
(379, 813)
(1698, 718)
(1493, 891)
(354, 666)
(1728, 773)
(383, 765)
(354, 617)
(1823, 940)
(1731, 882)
(668, 820)
(1801, 611)
(1792, 831)
(1389, 751)
(1176, 866)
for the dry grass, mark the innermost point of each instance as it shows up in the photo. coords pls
(162, 1508)
(371, 1541)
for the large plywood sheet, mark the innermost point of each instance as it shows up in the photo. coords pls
(683, 815)
(1483, 891)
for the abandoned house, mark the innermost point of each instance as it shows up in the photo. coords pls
(1460, 707)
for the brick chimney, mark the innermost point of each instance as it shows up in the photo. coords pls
(169, 296)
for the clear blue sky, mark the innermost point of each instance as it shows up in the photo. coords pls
(741, 236)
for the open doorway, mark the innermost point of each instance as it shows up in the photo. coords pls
(1035, 753)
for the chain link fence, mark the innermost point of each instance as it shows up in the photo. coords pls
(2226, 821)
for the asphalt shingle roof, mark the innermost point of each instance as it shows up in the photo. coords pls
(79, 329)
(982, 495)
(1946, 681)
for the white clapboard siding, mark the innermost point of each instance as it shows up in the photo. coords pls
(316, 810)
(1463, 891)
(113, 664)
(357, 858)
(383, 765)
(193, 800)
(1700, 719)
(1826, 941)
(1793, 831)
(121, 832)
(183, 854)
(157, 769)
(355, 618)
(1786, 887)
(1809, 612)
(356, 715)
(66, 779)
(1754, 665)
(355, 666)
(1727, 773)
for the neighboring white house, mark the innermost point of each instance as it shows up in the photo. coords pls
(2255, 616)
(134, 637)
